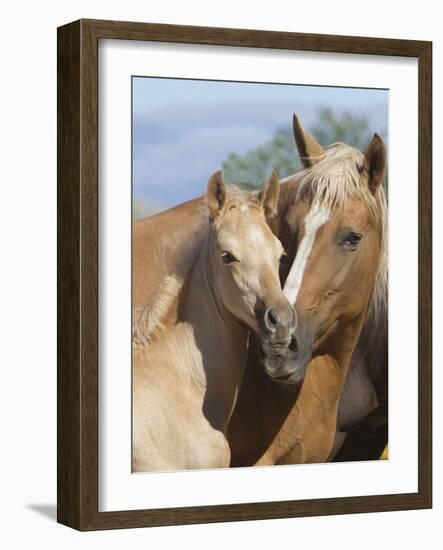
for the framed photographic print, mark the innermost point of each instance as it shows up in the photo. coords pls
(244, 274)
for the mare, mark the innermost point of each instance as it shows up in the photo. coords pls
(332, 221)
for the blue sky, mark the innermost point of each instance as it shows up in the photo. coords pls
(184, 129)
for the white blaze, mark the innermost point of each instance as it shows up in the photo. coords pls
(313, 221)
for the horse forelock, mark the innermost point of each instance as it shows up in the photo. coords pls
(337, 177)
(241, 199)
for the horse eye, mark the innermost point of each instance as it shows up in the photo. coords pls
(352, 241)
(228, 258)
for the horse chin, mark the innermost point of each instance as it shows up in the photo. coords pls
(285, 366)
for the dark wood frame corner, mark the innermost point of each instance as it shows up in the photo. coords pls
(77, 456)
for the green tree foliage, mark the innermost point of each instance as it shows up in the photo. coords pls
(254, 167)
(344, 127)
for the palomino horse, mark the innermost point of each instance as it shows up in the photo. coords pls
(333, 219)
(189, 351)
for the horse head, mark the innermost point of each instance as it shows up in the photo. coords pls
(245, 257)
(338, 223)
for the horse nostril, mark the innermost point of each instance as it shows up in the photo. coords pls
(271, 319)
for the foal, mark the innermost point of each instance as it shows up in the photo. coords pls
(186, 379)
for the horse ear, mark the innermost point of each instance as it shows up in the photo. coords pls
(268, 195)
(374, 163)
(216, 194)
(309, 150)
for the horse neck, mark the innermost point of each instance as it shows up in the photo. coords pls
(219, 337)
(373, 340)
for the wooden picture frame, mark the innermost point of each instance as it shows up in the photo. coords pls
(77, 457)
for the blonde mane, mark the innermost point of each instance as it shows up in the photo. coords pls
(337, 177)
(149, 321)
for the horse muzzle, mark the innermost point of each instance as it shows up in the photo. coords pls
(286, 364)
